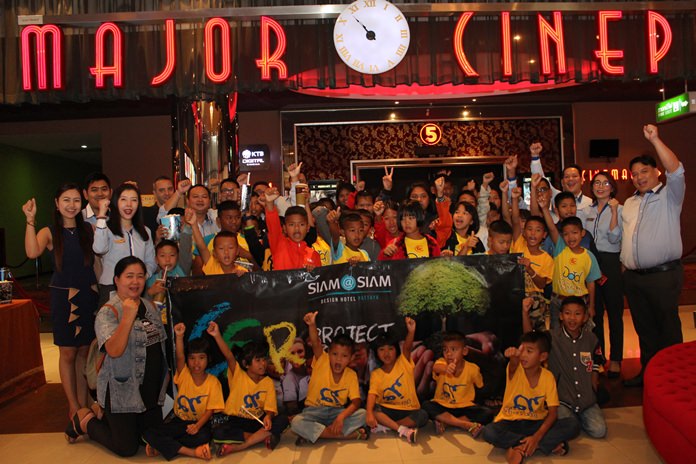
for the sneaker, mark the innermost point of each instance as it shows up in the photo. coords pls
(410, 435)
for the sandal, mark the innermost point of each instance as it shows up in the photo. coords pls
(150, 452)
(363, 433)
(475, 429)
(562, 449)
(439, 427)
(202, 452)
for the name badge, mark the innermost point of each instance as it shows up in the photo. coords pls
(119, 240)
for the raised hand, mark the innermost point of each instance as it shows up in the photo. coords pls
(488, 178)
(511, 165)
(310, 318)
(294, 170)
(213, 329)
(472, 240)
(190, 217)
(535, 149)
(360, 186)
(103, 206)
(536, 178)
(451, 368)
(650, 132)
(516, 193)
(512, 352)
(180, 329)
(388, 179)
(243, 179)
(440, 186)
(378, 208)
(29, 209)
(333, 215)
(613, 203)
(271, 194)
(130, 308)
(183, 186)
(410, 325)
(471, 185)
(390, 249)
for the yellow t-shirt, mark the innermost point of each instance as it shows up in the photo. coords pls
(542, 264)
(416, 248)
(457, 392)
(213, 267)
(344, 254)
(396, 389)
(255, 397)
(324, 250)
(323, 391)
(461, 241)
(570, 271)
(192, 400)
(522, 402)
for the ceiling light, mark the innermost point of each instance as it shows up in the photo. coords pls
(83, 146)
(518, 37)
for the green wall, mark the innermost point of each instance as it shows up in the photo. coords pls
(23, 175)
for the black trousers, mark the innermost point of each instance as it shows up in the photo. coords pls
(170, 437)
(654, 302)
(121, 432)
(609, 298)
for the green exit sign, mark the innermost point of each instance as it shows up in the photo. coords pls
(675, 107)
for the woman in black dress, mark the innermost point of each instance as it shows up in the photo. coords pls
(73, 285)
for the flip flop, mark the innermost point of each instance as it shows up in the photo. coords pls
(363, 433)
(475, 429)
(203, 452)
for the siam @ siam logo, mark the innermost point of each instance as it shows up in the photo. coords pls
(349, 285)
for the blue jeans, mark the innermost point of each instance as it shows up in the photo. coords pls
(507, 434)
(591, 420)
(314, 419)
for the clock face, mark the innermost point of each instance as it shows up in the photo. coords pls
(371, 36)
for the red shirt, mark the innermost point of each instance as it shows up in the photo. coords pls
(286, 253)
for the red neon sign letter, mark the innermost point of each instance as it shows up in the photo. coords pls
(100, 70)
(224, 74)
(266, 62)
(459, 46)
(554, 33)
(42, 79)
(655, 54)
(168, 70)
(604, 54)
(507, 44)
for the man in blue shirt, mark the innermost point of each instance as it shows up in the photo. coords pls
(651, 250)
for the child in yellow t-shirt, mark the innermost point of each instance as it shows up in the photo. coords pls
(528, 420)
(347, 235)
(251, 405)
(453, 402)
(199, 395)
(332, 407)
(392, 400)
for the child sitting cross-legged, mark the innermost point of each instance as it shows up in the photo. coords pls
(453, 402)
(332, 408)
(528, 420)
(251, 406)
(392, 400)
(199, 395)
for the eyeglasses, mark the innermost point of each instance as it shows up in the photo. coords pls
(543, 189)
(601, 183)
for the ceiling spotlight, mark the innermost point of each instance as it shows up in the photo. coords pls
(465, 113)
(83, 146)
(662, 90)
(532, 61)
(396, 102)
(392, 116)
(473, 99)
(517, 37)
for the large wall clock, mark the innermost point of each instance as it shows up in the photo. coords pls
(371, 36)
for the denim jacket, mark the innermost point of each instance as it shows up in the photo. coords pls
(124, 375)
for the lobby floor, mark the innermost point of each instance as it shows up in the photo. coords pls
(626, 441)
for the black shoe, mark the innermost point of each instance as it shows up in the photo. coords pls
(636, 381)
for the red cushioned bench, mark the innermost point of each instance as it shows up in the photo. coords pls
(669, 402)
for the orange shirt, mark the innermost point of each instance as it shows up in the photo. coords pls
(286, 253)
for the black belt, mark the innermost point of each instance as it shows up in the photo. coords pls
(668, 266)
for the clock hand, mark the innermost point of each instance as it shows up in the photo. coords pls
(370, 34)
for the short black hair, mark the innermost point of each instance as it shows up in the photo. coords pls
(571, 221)
(224, 234)
(229, 180)
(525, 214)
(188, 194)
(343, 340)
(539, 220)
(563, 196)
(500, 227)
(385, 339)
(368, 214)
(363, 194)
(576, 300)
(647, 160)
(93, 177)
(198, 345)
(177, 210)
(159, 178)
(454, 336)
(327, 203)
(261, 182)
(540, 338)
(572, 166)
(228, 205)
(296, 210)
(344, 186)
(166, 242)
(124, 263)
(348, 216)
(411, 208)
(250, 351)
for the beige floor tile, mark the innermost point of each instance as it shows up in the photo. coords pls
(451, 444)
(376, 450)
